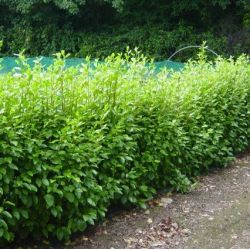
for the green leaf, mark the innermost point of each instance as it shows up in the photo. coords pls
(91, 202)
(59, 234)
(7, 214)
(24, 213)
(16, 214)
(91, 221)
(10, 203)
(49, 200)
(15, 143)
(3, 224)
(38, 182)
(45, 182)
(132, 199)
(54, 211)
(70, 197)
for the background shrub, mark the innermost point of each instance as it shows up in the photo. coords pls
(74, 141)
(157, 27)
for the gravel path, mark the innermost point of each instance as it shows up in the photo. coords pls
(216, 214)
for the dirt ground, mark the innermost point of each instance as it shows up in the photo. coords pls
(216, 214)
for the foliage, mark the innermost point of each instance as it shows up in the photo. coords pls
(154, 40)
(74, 141)
(96, 28)
(71, 6)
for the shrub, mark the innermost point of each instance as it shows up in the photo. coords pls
(156, 41)
(75, 141)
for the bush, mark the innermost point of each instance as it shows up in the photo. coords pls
(155, 41)
(99, 28)
(75, 141)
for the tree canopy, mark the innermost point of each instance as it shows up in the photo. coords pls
(71, 6)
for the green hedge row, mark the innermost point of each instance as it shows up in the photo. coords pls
(74, 142)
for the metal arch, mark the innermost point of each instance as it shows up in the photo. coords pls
(189, 47)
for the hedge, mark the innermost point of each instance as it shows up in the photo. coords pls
(74, 142)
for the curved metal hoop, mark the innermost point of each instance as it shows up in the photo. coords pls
(189, 47)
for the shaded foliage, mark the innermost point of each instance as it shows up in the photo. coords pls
(157, 27)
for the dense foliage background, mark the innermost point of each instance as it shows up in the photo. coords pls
(99, 27)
